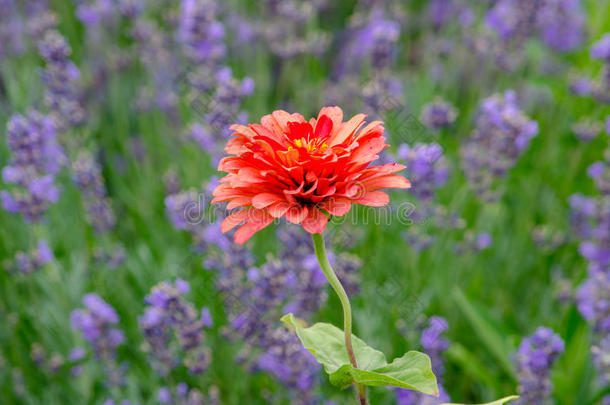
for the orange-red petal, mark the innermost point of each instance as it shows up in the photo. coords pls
(257, 221)
(315, 222)
(374, 199)
(338, 206)
(235, 219)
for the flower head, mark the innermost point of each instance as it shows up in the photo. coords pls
(535, 358)
(303, 170)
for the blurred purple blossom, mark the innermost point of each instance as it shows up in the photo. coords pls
(427, 168)
(27, 263)
(88, 178)
(94, 12)
(501, 135)
(11, 30)
(183, 395)
(438, 114)
(35, 159)
(178, 208)
(434, 344)
(581, 86)
(287, 29)
(560, 23)
(594, 301)
(441, 12)
(97, 322)
(200, 31)
(62, 81)
(601, 48)
(534, 360)
(169, 315)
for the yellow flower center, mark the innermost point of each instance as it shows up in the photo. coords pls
(311, 146)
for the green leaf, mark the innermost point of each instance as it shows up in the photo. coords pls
(411, 371)
(498, 402)
(326, 342)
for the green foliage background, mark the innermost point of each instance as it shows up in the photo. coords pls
(490, 299)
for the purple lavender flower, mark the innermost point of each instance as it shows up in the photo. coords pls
(200, 31)
(203, 136)
(97, 322)
(474, 242)
(601, 49)
(583, 211)
(36, 158)
(374, 39)
(223, 109)
(88, 178)
(293, 365)
(256, 298)
(95, 12)
(164, 396)
(441, 12)
(483, 240)
(427, 167)
(185, 209)
(50, 364)
(75, 356)
(534, 360)
(131, 8)
(62, 81)
(501, 135)
(601, 359)
(513, 18)
(113, 257)
(581, 86)
(560, 23)
(382, 95)
(600, 173)
(169, 315)
(156, 50)
(438, 115)
(285, 28)
(39, 19)
(590, 218)
(434, 344)
(594, 301)
(28, 263)
(381, 36)
(11, 30)
(183, 395)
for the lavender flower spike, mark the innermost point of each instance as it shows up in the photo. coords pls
(170, 315)
(434, 344)
(535, 358)
(438, 114)
(62, 81)
(36, 158)
(501, 135)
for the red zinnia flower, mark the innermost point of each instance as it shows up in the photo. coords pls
(287, 166)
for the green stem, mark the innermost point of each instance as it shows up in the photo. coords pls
(333, 280)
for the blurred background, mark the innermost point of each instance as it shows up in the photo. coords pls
(117, 286)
